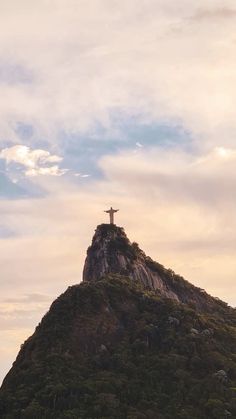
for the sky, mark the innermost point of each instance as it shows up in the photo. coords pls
(122, 103)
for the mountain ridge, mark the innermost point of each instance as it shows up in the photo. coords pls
(117, 347)
(112, 252)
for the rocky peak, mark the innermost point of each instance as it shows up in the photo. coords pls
(111, 252)
(107, 344)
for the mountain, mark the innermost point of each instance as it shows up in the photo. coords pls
(112, 252)
(133, 340)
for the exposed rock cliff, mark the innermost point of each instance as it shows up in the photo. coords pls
(122, 345)
(112, 252)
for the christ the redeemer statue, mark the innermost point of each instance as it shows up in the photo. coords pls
(111, 212)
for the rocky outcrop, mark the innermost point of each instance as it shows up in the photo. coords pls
(112, 252)
(115, 347)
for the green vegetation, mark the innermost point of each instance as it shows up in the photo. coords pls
(110, 349)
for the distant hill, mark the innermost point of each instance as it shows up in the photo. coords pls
(133, 340)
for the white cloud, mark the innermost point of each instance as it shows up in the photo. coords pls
(81, 175)
(175, 176)
(225, 153)
(158, 60)
(50, 171)
(35, 162)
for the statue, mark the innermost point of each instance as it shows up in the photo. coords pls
(111, 212)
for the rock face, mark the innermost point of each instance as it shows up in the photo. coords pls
(122, 345)
(112, 252)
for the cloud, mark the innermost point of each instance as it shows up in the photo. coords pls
(23, 155)
(36, 162)
(14, 74)
(51, 171)
(81, 78)
(81, 175)
(225, 153)
(145, 60)
(22, 311)
(178, 206)
(177, 175)
(9, 189)
(29, 298)
(214, 14)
